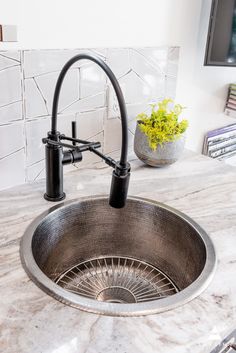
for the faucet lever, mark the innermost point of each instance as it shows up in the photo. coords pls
(74, 133)
(85, 145)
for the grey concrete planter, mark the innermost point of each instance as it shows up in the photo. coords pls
(164, 155)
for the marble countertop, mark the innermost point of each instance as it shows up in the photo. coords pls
(33, 322)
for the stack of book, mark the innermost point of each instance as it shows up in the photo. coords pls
(220, 143)
(230, 107)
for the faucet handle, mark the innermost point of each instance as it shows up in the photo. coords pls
(74, 132)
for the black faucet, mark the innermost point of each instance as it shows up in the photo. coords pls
(56, 157)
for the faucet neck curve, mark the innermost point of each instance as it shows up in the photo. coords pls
(119, 94)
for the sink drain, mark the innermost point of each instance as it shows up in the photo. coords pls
(117, 280)
(116, 294)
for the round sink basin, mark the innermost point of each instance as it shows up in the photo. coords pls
(142, 259)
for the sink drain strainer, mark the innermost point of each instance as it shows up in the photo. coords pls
(117, 280)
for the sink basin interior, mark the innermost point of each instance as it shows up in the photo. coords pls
(145, 252)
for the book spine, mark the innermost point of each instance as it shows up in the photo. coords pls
(230, 112)
(204, 148)
(231, 106)
(227, 155)
(231, 101)
(221, 130)
(232, 86)
(225, 143)
(221, 137)
(222, 151)
(211, 135)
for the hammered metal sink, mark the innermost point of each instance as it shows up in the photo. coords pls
(143, 259)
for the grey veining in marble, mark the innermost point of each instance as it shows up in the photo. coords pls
(32, 322)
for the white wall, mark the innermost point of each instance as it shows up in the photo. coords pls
(9, 14)
(204, 87)
(106, 23)
(90, 23)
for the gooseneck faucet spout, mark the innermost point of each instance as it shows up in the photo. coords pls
(56, 157)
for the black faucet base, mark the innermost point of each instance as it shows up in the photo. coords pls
(55, 199)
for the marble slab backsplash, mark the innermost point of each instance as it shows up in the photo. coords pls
(27, 82)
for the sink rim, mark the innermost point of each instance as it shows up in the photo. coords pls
(116, 309)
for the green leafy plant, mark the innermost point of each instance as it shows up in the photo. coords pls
(163, 124)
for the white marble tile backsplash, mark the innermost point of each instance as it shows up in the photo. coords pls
(10, 93)
(27, 82)
(35, 104)
(11, 112)
(12, 169)
(11, 138)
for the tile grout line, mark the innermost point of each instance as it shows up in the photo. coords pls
(41, 95)
(23, 107)
(6, 105)
(9, 58)
(9, 67)
(12, 153)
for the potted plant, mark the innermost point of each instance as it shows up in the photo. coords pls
(159, 138)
